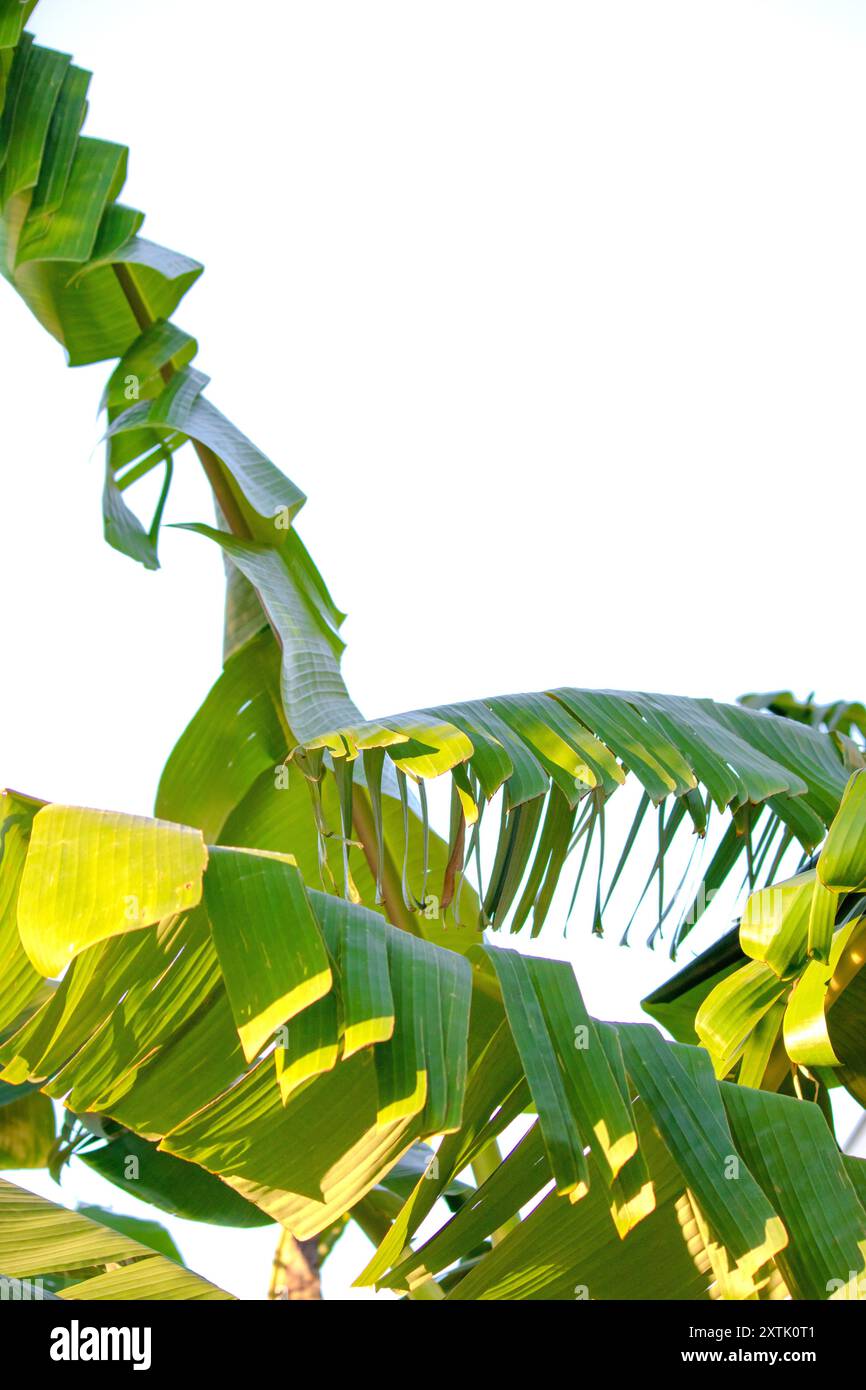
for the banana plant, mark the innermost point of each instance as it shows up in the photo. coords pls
(282, 999)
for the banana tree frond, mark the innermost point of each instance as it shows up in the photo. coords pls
(137, 1167)
(84, 1259)
(75, 255)
(726, 1213)
(557, 757)
(161, 1017)
(845, 718)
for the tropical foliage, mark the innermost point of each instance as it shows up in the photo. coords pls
(276, 1002)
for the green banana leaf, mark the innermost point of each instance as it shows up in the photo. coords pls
(39, 1239)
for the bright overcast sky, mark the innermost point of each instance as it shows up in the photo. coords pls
(555, 311)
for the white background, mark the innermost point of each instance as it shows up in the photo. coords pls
(555, 311)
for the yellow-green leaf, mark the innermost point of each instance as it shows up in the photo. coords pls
(842, 861)
(90, 875)
(775, 923)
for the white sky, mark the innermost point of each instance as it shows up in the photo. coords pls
(555, 311)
